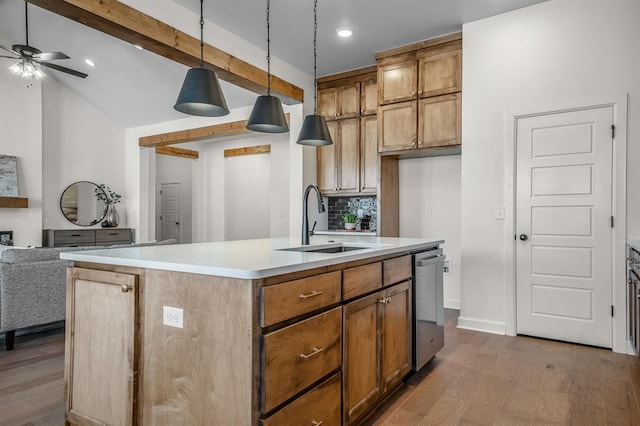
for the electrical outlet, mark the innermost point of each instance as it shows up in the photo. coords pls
(173, 317)
(447, 267)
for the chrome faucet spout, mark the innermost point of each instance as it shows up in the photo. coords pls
(305, 216)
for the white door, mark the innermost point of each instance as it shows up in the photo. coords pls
(170, 218)
(563, 221)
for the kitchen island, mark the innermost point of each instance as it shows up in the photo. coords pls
(238, 332)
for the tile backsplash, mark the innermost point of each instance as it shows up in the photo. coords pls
(341, 205)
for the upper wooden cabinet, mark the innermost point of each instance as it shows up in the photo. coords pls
(339, 102)
(349, 102)
(397, 78)
(419, 96)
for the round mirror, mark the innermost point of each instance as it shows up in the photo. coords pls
(81, 206)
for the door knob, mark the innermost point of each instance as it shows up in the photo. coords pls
(524, 237)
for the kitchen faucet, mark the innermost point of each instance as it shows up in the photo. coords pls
(305, 218)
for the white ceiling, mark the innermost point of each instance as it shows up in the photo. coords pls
(136, 87)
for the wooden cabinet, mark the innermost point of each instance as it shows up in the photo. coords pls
(377, 348)
(419, 95)
(348, 101)
(104, 301)
(86, 237)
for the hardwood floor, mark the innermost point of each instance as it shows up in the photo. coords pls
(477, 379)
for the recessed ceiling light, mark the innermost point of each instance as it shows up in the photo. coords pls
(344, 32)
(89, 62)
(137, 46)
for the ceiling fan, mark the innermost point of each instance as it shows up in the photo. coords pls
(31, 59)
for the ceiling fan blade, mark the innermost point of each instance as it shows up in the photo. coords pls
(49, 56)
(64, 69)
(9, 50)
(10, 57)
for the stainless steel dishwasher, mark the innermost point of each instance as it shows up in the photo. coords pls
(428, 306)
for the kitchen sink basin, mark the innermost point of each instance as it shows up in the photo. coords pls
(330, 248)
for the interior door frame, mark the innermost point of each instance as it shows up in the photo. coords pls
(618, 206)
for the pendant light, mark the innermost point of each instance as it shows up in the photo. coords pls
(314, 130)
(201, 93)
(267, 115)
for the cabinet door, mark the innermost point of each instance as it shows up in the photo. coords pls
(349, 100)
(369, 153)
(397, 126)
(326, 162)
(101, 322)
(361, 360)
(368, 97)
(328, 103)
(397, 79)
(439, 121)
(396, 335)
(440, 70)
(349, 164)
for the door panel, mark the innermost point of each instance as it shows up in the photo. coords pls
(349, 155)
(170, 195)
(564, 175)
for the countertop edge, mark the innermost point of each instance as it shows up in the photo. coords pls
(257, 273)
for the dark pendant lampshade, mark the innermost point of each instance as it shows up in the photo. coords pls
(314, 131)
(267, 116)
(201, 94)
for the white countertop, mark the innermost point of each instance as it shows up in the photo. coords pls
(634, 244)
(247, 259)
(344, 232)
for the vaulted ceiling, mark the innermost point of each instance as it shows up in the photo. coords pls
(136, 87)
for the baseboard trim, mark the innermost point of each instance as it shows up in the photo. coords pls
(484, 326)
(452, 304)
(630, 350)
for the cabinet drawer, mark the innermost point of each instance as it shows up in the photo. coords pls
(396, 270)
(298, 355)
(66, 237)
(112, 235)
(318, 406)
(293, 298)
(362, 279)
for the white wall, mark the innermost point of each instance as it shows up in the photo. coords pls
(78, 143)
(171, 169)
(21, 136)
(561, 52)
(430, 208)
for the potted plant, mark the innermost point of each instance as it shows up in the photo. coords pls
(349, 220)
(110, 198)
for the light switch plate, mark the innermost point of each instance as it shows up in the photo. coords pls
(499, 213)
(173, 317)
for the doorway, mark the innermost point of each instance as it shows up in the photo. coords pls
(563, 223)
(170, 211)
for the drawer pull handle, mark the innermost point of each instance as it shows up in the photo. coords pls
(76, 235)
(314, 293)
(315, 422)
(126, 288)
(314, 351)
(113, 233)
(384, 300)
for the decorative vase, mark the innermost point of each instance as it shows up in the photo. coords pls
(111, 219)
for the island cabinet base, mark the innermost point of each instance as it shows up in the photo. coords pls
(325, 345)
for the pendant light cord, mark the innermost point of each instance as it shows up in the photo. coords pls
(268, 49)
(315, 53)
(26, 23)
(201, 34)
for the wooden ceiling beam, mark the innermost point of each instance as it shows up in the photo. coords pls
(177, 152)
(128, 24)
(232, 128)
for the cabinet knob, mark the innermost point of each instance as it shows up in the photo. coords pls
(125, 288)
(413, 93)
(420, 143)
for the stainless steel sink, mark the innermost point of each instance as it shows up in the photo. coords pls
(330, 248)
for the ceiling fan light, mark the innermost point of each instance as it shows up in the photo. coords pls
(38, 74)
(267, 116)
(201, 94)
(16, 68)
(314, 131)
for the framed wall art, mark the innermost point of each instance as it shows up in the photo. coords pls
(8, 176)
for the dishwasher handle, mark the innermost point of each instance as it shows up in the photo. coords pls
(428, 261)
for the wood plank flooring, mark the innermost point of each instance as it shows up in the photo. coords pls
(477, 379)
